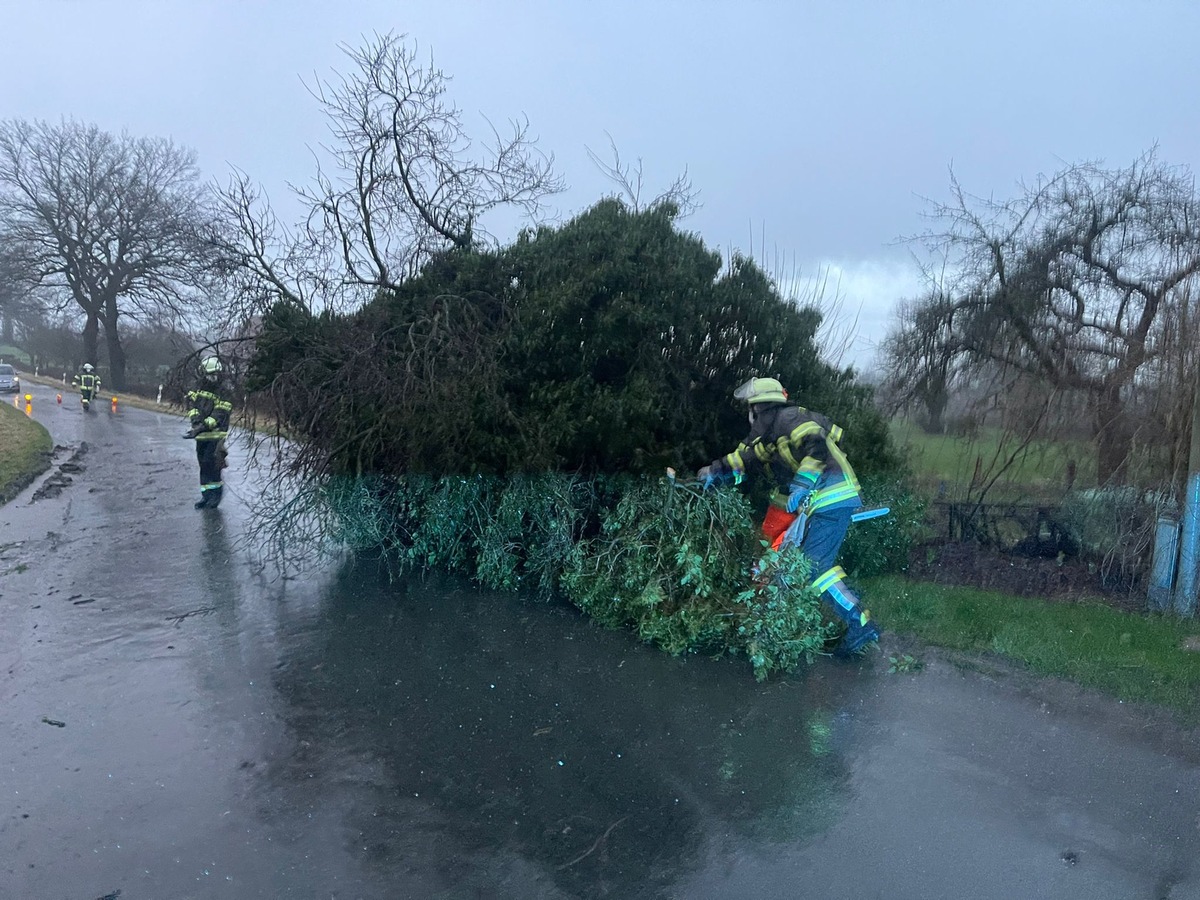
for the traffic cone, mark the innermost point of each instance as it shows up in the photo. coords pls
(29, 404)
(114, 404)
(59, 397)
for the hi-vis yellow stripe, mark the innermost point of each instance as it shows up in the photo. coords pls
(843, 490)
(828, 578)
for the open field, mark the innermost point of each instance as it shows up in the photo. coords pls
(946, 464)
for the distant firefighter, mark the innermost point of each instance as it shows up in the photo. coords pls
(88, 383)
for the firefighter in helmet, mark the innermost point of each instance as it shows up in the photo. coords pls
(798, 448)
(88, 383)
(209, 415)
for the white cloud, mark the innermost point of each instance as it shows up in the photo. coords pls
(858, 298)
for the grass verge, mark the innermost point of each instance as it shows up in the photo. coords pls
(1136, 658)
(26, 454)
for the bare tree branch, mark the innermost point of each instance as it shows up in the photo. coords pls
(630, 180)
(401, 182)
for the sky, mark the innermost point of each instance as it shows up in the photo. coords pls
(817, 134)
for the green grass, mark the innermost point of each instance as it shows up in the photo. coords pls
(937, 458)
(26, 452)
(1137, 658)
(9, 353)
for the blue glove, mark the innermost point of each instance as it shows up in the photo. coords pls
(801, 490)
(709, 478)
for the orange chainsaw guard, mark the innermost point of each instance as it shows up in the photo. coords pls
(775, 525)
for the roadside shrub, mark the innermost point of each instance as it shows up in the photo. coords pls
(884, 546)
(504, 413)
(1113, 528)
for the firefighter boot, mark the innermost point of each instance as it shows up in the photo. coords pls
(210, 498)
(858, 636)
(860, 629)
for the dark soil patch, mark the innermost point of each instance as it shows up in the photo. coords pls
(1069, 580)
(54, 485)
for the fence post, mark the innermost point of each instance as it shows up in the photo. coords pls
(1162, 570)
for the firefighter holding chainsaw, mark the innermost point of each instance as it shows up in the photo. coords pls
(799, 449)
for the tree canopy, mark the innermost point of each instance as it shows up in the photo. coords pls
(611, 343)
(1080, 283)
(116, 225)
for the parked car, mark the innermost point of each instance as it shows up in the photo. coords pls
(9, 382)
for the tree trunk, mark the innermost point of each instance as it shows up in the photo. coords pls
(935, 407)
(91, 338)
(1114, 438)
(116, 353)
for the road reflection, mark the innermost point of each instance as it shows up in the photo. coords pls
(484, 739)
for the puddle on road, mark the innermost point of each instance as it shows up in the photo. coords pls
(519, 731)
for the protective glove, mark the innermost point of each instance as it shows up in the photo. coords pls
(190, 434)
(710, 477)
(801, 490)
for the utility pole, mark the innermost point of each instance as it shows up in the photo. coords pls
(1189, 556)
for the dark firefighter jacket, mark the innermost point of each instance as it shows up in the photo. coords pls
(209, 413)
(790, 441)
(87, 381)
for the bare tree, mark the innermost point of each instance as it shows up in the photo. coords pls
(115, 224)
(820, 292)
(21, 306)
(1163, 392)
(920, 358)
(406, 182)
(1072, 281)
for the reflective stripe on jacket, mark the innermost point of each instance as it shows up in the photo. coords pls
(790, 441)
(209, 414)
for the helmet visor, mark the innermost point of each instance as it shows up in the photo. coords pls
(746, 391)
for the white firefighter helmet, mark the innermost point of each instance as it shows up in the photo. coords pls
(761, 390)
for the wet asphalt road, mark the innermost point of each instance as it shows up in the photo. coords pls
(182, 724)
